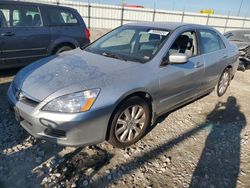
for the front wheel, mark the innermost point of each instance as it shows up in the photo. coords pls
(129, 122)
(223, 83)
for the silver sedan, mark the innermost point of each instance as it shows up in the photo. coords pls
(115, 88)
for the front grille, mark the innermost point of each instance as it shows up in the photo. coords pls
(29, 101)
(55, 132)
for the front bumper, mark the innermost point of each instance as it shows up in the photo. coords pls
(65, 129)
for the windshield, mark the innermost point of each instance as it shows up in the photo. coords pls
(131, 43)
(241, 36)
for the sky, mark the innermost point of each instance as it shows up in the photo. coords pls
(224, 7)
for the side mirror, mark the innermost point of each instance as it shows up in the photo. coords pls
(178, 58)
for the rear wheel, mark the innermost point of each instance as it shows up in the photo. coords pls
(129, 123)
(223, 83)
(63, 49)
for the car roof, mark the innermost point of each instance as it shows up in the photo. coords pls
(12, 2)
(167, 25)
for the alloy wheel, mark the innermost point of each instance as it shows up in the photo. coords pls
(130, 123)
(223, 83)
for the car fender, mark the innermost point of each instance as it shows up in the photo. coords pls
(60, 41)
(135, 91)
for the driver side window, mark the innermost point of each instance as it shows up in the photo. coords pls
(185, 43)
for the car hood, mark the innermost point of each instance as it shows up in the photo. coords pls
(69, 72)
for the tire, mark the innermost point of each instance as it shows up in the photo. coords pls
(223, 83)
(63, 49)
(135, 126)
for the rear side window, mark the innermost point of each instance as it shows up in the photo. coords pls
(210, 41)
(61, 17)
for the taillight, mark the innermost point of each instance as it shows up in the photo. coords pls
(87, 33)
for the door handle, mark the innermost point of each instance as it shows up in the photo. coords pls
(225, 56)
(198, 65)
(8, 34)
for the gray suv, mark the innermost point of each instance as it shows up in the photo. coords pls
(30, 31)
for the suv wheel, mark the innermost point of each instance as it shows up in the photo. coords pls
(129, 123)
(63, 49)
(223, 83)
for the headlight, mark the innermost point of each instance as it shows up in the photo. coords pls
(73, 103)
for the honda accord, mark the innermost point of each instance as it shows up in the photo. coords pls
(116, 87)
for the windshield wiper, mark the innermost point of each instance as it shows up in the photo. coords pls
(136, 59)
(113, 56)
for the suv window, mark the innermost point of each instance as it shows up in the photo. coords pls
(61, 17)
(186, 44)
(26, 16)
(21, 16)
(210, 41)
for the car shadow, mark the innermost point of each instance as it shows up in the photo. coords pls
(223, 143)
(219, 164)
(162, 118)
(79, 166)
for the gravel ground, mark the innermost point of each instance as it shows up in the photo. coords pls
(204, 144)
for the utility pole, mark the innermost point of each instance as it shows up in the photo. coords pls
(240, 8)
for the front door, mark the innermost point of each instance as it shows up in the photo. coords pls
(24, 39)
(181, 82)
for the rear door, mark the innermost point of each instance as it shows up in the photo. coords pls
(24, 39)
(181, 82)
(215, 56)
(65, 26)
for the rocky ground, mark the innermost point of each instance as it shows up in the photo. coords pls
(204, 144)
